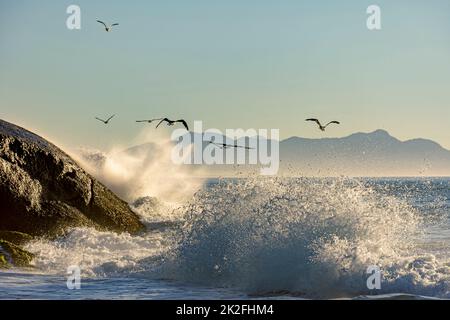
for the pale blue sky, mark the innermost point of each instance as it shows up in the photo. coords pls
(232, 64)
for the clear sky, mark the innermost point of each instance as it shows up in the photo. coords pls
(232, 64)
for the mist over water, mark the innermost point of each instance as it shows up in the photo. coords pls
(144, 170)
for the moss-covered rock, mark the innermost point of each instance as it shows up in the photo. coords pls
(4, 264)
(18, 256)
(11, 253)
(18, 238)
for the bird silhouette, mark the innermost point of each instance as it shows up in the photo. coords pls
(172, 122)
(321, 127)
(226, 146)
(107, 28)
(150, 120)
(106, 121)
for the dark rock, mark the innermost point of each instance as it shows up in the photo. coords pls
(4, 264)
(43, 191)
(18, 238)
(11, 254)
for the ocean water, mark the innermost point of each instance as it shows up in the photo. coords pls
(259, 238)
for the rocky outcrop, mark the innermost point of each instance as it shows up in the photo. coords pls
(43, 191)
(11, 254)
(15, 237)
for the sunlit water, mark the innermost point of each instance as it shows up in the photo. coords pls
(260, 238)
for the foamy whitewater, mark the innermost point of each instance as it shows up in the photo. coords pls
(254, 237)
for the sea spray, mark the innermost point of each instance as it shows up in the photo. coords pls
(143, 170)
(263, 236)
(307, 236)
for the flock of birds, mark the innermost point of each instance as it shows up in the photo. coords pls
(169, 122)
(184, 123)
(220, 145)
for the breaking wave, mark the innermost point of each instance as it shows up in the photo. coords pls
(308, 237)
(313, 238)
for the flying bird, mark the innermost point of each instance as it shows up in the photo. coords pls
(106, 121)
(321, 127)
(172, 122)
(107, 28)
(226, 146)
(149, 121)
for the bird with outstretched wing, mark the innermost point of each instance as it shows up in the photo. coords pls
(149, 121)
(107, 28)
(172, 122)
(107, 120)
(226, 146)
(321, 127)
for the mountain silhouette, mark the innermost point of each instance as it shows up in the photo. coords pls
(365, 154)
(375, 154)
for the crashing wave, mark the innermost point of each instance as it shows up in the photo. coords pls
(313, 238)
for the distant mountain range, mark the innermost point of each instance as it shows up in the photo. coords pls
(366, 154)
(375, 154)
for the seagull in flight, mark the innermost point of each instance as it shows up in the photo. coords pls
(107, 28)
(226, 146)
(321, 127)
(106, 121)
(150, 120)
(172, 122)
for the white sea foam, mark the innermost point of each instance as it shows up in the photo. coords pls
(309, 237)
(313, 238)
(96, 253)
